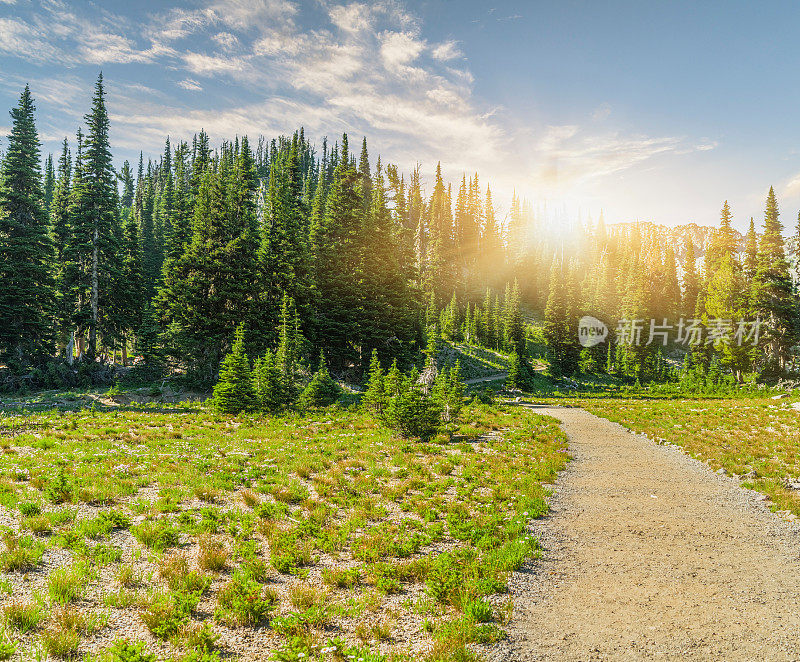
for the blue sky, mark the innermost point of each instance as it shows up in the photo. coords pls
(649, 110)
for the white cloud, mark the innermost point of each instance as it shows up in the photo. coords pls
(226, 40)
(791, 188)
(399, 49)
(101, 47)
(249, 14)
(26, 41)
(355, 17)
(207, 65)
(569, 156)
(190, 84)
(447, 51)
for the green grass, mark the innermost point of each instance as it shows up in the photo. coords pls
(24, 616)
(300, 527)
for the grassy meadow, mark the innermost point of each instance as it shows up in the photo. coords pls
(143, 532)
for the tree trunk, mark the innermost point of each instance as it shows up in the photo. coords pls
(93, 326)
(69, 351)
(125, 352)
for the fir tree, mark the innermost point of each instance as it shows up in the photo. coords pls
(214, 285)
(97, 200)
(61, 228)
(723, 242)
(267, 384)
(374, 397)
(337, 265)
(126, 177)
(287, 352)
(49, 183)
(284, 250)
(751, 253)
(322, 390)
(233, 393)
(556, 326)
(726, 301)
(26, 253)
(387, 322)
(772, 296)
(691, 285)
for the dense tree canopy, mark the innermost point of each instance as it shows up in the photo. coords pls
(338, 252)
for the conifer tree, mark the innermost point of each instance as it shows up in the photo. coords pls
(180, 219)
(387, 322)
(284, 250)
(726, 301)
(555, 320)
(126, 177)
(375, 394)
(671, 289)
(26, 285)
(96, 200)
(691, 285)
(267, 384)
(514, 329)
(234, 393)
(49, 183)
(131, 282)
(61, 228)
(287, 353)
(148, 345)
(751, 253)
(723, 242)
(214, 285)
(337, 265)
(772, 289)
(322, 390)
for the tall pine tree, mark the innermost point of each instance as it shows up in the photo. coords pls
(26, 253)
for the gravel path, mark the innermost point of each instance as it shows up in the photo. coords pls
(649, 555)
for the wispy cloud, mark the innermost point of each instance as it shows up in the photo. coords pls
(567, 158)
(447, 51)
(362, 67)
(190, 84)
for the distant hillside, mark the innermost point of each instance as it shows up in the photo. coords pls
(676, 236)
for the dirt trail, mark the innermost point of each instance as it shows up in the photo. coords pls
(649, 555)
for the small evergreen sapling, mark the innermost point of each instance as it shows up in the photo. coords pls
(322, 390)
(233, 392)
(267, 384)
(520, 372)
(374, 399)
(412, 412)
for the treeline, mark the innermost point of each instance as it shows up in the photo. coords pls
(705, 317)
(166, 259)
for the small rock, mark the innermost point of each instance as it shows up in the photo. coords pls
(780, 396)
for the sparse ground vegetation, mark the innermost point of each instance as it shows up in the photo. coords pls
(187, 534)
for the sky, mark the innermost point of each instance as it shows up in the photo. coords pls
(651, 111)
